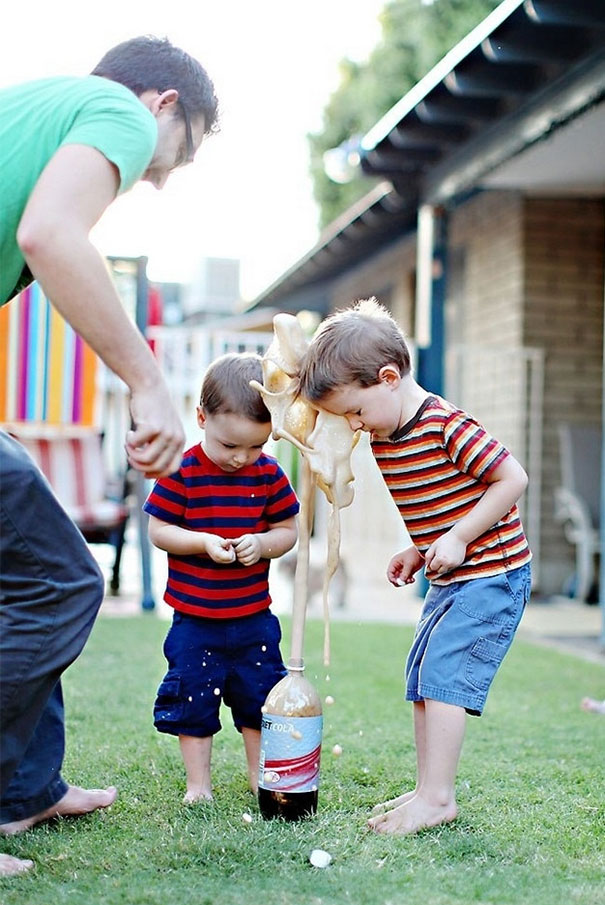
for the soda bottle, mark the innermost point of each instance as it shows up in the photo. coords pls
(290, 748)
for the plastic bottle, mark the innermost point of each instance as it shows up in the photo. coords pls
(290, 748)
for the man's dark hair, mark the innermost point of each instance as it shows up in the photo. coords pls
(226, 387)
(154, 63)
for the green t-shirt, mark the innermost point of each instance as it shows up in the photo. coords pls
(37, 118)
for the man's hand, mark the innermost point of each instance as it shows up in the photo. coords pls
(445, 554)
(403, 565)
(248, 549)
(155, 446)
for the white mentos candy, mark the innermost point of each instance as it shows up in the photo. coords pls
(319, 858)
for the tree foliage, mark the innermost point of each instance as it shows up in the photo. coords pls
(416, 34)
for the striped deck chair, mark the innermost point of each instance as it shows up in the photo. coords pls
(71, 458)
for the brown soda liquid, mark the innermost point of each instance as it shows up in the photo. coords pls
(293, 700)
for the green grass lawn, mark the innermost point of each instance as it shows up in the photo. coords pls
(531, 790)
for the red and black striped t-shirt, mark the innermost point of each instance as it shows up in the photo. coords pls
(200, 496)
(436, 468)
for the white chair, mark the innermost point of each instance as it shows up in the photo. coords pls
(578, 500)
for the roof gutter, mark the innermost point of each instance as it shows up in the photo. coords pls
(572, 95)
(456, 55)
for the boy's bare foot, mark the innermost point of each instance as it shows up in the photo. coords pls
(10, 867)
(193, 795)
(592, 705)
(393, 803)
(414, 815)
(74, 803)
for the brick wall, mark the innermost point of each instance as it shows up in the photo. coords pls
(523, 274)
(485, 372)
(564, 258)
(489, 315)
(532, 279)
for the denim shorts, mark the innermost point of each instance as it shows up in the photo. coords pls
(236, 661)
(464, 631)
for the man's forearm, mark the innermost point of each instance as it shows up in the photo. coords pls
(73, 276)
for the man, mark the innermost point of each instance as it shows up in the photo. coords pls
(68, 148)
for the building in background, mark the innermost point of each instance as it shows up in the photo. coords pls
(214, 291)
(486, 241)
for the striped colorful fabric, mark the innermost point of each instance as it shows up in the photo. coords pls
(436, 468)
(203, 497)
(71, 458)
(47, 372)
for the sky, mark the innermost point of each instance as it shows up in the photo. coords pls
(274, 64)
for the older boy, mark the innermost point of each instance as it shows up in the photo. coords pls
(456, 488)
(221, 518)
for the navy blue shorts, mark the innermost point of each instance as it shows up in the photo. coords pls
(237, 661)
(464, 631)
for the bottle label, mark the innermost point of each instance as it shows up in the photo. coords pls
(290, 753)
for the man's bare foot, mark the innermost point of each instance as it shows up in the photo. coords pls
(10, 867)
(592, 705)
(393, 803)
(416, 814)
(74, 803)
(194, 795)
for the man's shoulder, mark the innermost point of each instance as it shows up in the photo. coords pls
(70, 86)
(97, 86)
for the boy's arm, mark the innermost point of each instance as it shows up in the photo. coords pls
(183, 542)
(280, 538)
(506, 484)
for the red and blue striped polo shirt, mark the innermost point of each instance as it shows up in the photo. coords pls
(201, 496)
(436, 468)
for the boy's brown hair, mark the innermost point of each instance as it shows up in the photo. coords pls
(226, 387)
(350, 347)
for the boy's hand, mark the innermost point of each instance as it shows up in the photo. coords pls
(219, 549)
(247, 549)
(445, 554)
(403, 565)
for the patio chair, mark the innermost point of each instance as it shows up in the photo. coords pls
(578, 501)
(71, 458)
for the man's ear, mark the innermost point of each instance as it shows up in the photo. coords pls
(163, 100)
(390, 375)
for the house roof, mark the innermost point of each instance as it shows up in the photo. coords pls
(524, 72)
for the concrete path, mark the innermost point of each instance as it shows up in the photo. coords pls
(558, 622)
